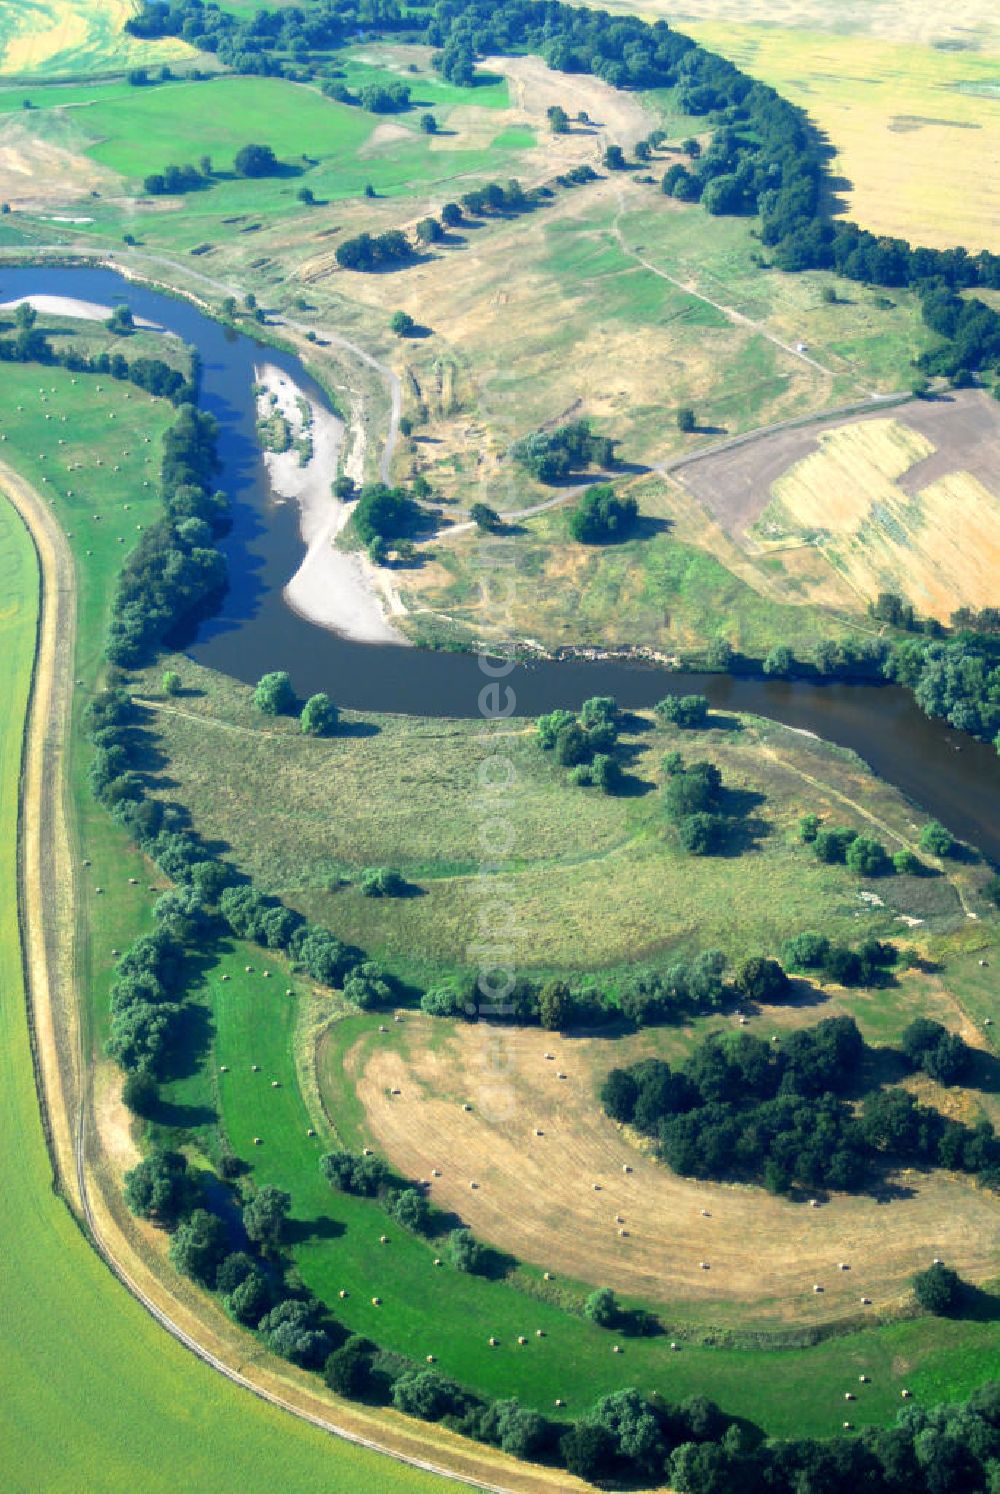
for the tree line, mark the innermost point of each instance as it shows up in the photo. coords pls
(30, 344)
(778, 1114)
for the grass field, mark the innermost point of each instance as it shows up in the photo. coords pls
(48, 39)
(94, 1394)
(436, 1310)
(403, 797)
(536, 1186)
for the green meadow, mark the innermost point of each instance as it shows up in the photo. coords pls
(94, 1394)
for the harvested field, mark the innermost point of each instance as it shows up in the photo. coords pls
(908, 502)
(536, 1194)
(47, 39)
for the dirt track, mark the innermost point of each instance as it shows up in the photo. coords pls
(48, 911)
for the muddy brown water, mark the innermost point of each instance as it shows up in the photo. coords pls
(946, 773)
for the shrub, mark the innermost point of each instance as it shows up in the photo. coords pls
(761, 979)
(290, 1330)
(198, 1246)
(936, 840)
(867, 857)
(937, 1289)
(249, 1299)
(140, 1092)
(255, 160)
(600, 516)
(411, 1209)
(381, 881)
(465, 1252)
(906, 864)
(363, 1176)
(319, 716)
(274, 694)
(601, 1307)
(702, 834)
(683, 710)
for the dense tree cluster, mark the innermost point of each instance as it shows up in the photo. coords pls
(941, 1054)
(30, 345)
(957, 679)
(552, 456)
(601, 516)
(584, 742)
(173, 180)
(868, 965)
(776, 1114)
(689, 711)
(384, 513)
(375, 251)
(691, 802)
(175, 569)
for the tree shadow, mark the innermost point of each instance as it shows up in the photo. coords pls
(356, 729)
(178, 1117)
(299, 1231)
(982, 1072)
(190, 1041)
(974, 1305)
(647, 526)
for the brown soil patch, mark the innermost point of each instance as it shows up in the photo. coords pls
(37, 173)
(735, 485)
(536, 1195)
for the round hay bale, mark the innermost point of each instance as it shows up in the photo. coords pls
(546, 1275)
(383, 1239)
(257, 1140)
(675, 1346)
(342, 1293)
(862, 1379)
(255, 1068)
(521, 1338)
(493, 1342)
(366, 1151)
(227, 977)
(248, 969)
(817, 1287)
(466, 1106)
(289, 992)
(848, 1395)
(435, 1172)
(704, 1265)
(376, 1302)
(310, 1132)
(539, 1132)
(473, 1185)
(438, 1261)
(275, 1084)
(866, 1302)
(430, 1359)
(616, 1349)
(539, 1332)
(626, 1167)
(560, 1401)
(905, 1394)
(623, 1233)
(223, 1068)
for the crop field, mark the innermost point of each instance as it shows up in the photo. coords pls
(574, 851)
(536, 1195)
(906, 94)
(48, 39)
(907, 502)
(95, 1395)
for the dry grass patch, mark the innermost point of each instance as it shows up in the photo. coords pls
(536, 1194)
(55, 38)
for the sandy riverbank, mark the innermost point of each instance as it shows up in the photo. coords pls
(335, 589)
(83, 311)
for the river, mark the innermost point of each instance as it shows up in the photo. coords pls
(950, 775)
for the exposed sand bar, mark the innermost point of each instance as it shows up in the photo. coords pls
(335, 589)
(83, 311)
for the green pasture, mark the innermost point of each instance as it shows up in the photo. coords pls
(595, 880)
(427, 1309)
(94, 1394)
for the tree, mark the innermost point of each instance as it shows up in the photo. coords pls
(362, 1175)
(264, 1217)
(936, 840)
(486, 518)
(587, 1451)
(451, 215)
(234, 1269)
(867, 857)
(306, 195)
(690, 711)
(601, 1307)
(761, 979)
(937, 1289)
(274, 694)
(558, 119)
(249, 1299)
(614, 158)
(702, 833)
(605, 772)
(555, 1005)
(255, 160)
(412, 1210)
(906, 864)
(686, 419)
(319, 716)
(601, 516)
(402, 323)
(465, 1252)
(347, 1369)
(779, 660)
(290, 1330)
(382, 881)
(428, 124)
(425, 1393)
(513, 1427)
(343, 487)
(720, 654)
(140, 1092)
(160, 1187)
(198, 1246)
(809, 828)
(171, 682)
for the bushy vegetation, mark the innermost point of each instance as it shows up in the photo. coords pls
(778, 1114)
(584, 742)
(868, 965)
(375, 251)
(551, 456)
(384, 513)
(601, 516)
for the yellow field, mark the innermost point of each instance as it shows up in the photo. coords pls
(907, 93)
(939, 545)
(60, 38)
